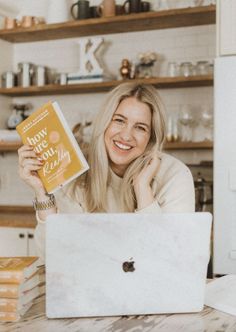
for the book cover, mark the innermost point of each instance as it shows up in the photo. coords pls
(13, 290)
(17, 269)
(10, 316)
(13, 305)
(47, 130)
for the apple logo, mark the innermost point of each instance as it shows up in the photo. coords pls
(128, 266)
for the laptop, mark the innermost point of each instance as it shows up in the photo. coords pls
(126, 263)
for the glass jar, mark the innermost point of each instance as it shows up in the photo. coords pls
(202, 68)
(211, 68)
(186, 69)
(173, 69)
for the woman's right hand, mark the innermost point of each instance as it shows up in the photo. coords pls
(29, 164)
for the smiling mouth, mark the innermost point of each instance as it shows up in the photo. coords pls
(122, 147)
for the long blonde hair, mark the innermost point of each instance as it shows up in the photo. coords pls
(97, 179)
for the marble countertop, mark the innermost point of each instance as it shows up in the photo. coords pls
(209, 320)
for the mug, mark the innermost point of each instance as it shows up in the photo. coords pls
(145, 6)
(27, 21)
(38, 20)
(82, 10)
(132, 6)
(119, 10)
(10, 23)
(93, 12)
(107, 8)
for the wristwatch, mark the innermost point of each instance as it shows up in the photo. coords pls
(44, 205)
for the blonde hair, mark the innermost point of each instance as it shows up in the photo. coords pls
(96, 180)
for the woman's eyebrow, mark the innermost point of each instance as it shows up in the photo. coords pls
(124, 117)
(120, 115)
(143, 124)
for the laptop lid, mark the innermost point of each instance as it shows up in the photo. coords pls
(126, 264)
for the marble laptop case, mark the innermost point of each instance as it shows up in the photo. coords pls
(126, 264)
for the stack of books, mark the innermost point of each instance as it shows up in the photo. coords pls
(77, 79)
(20, 283)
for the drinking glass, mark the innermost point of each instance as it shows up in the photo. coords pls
(187, 120)
(196, 3)
(206, 119)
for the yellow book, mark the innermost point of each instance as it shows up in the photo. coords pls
(17, 269)
(14, 305)
(47, 130)
(14, 291)
(12, 316)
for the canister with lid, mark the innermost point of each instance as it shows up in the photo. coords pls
(25, 74)
(8, 79)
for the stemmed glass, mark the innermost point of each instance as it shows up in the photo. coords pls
(188, 121)
(206, 119)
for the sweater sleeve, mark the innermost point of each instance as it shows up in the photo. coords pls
(178, 194)
(175, 195)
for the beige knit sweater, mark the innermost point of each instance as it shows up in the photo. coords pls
(175, 194)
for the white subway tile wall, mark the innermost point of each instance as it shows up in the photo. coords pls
(179, 45)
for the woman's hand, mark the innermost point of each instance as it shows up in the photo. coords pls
(142, 183)
(29, 164)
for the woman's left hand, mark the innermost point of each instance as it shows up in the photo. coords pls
(142, 183)
(148, 172)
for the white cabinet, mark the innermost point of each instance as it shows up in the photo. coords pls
(31, 250)
(226, 27)
(16, 241)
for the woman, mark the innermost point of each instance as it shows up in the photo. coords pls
(128, 172)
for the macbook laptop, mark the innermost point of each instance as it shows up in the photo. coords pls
(126, 264)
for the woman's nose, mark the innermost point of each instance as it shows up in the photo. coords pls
(126, 133)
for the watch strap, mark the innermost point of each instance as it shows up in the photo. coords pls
(44, 205)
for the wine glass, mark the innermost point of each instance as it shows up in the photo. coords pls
(206, 119)
(188, 121)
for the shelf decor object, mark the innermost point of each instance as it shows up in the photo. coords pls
(165, 19)
(90, 70)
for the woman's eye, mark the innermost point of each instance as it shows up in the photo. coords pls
(118, 120)
(141, 128)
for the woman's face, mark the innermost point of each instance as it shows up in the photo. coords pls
(128, 134)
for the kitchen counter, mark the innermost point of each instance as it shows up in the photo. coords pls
(209, 320)
(17, 216)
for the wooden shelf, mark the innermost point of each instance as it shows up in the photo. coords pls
(13, 146)
(164, 19)
(17, 216)
(188, 145)
(20, 209)
(159, 82)
(9, 146)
